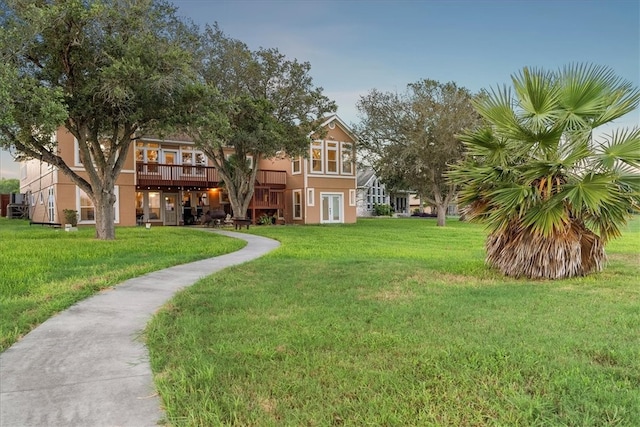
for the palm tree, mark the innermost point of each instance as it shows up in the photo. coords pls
(552, 195)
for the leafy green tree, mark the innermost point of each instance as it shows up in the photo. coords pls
(410, 138)
(104, 69)
(551, 194)
(8, 186)
(257, 103)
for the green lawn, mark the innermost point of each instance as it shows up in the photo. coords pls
(45, 270)
(399, 323)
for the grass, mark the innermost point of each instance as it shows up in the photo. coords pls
(46, 270)
(395, 323)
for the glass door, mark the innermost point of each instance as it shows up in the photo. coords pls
(331, 208)
(170, 209)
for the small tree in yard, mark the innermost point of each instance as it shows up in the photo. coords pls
(257, 104)
(551, 194)
(104, 69)
(410, 139)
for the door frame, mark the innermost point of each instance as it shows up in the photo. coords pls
(329, 196)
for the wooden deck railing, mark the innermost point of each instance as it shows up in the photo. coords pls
(162, 175)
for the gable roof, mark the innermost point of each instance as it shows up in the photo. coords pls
(335, 119)
(364, 176)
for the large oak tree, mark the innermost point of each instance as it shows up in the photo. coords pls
(255, 104)
(410, 138)
(104, 69)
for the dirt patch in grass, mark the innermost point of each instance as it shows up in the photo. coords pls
(396, 293)
(633, 259)
(428, 277)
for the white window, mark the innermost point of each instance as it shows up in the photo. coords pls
(376, 195)
(316, 156)
(311, 197)
(41, 198)
(51, 206)
(347, 158)
(295, 166)
(332, 157)
(352, 197)
(248, 158)
(297, 204)
(86, 210)
(77, 151)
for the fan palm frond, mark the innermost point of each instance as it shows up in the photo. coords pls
(549, 194)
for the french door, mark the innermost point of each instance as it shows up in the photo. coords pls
(332, 208)
(170, 209)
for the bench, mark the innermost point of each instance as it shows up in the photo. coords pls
(239, 222)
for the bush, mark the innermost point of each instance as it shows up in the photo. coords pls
(382, 210)
(70, 217)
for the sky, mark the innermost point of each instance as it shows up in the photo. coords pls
(354, 46)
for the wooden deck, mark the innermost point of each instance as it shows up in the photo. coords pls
(163, 175)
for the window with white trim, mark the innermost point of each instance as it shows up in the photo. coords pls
(87, 211)
(51, 206)
(297, 204)
(332, 157)
(347, 158)
(295, 166)
(311, 197)
(248, 158)
(77, 151)
(352, 197)
(376, 195)
(316, 156)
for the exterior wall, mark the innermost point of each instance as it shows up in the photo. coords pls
(317, 186)
(327, 182)
(38, 178)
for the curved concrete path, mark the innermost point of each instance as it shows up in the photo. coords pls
(87, 366)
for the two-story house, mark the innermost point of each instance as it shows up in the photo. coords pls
(171, 182)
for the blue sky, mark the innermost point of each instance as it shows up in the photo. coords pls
(355, 46)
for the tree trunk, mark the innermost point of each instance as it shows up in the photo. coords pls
(518, 252)
(104, 215)
(240, 203)
(442, 214)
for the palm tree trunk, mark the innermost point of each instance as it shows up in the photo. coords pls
(574, 251)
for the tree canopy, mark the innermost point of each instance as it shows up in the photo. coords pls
(550, 191)
(258, 103)
(410, 138)
(104, 69)
(8, 186)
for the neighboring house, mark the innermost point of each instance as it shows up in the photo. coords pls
(171, 182)
(371, 192)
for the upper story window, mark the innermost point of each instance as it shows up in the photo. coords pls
(332, 157)
(347, 158)
(295, 166)
(316, 156)
(147, 152)
(78, 162)
(191, 156)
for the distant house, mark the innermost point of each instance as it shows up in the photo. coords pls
(371, 192)
(171, 182)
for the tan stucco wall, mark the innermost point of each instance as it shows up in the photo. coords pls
(40, 177)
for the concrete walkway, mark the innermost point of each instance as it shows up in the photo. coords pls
(87, 366)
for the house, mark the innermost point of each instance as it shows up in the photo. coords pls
(169, 181)
(371, 191)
